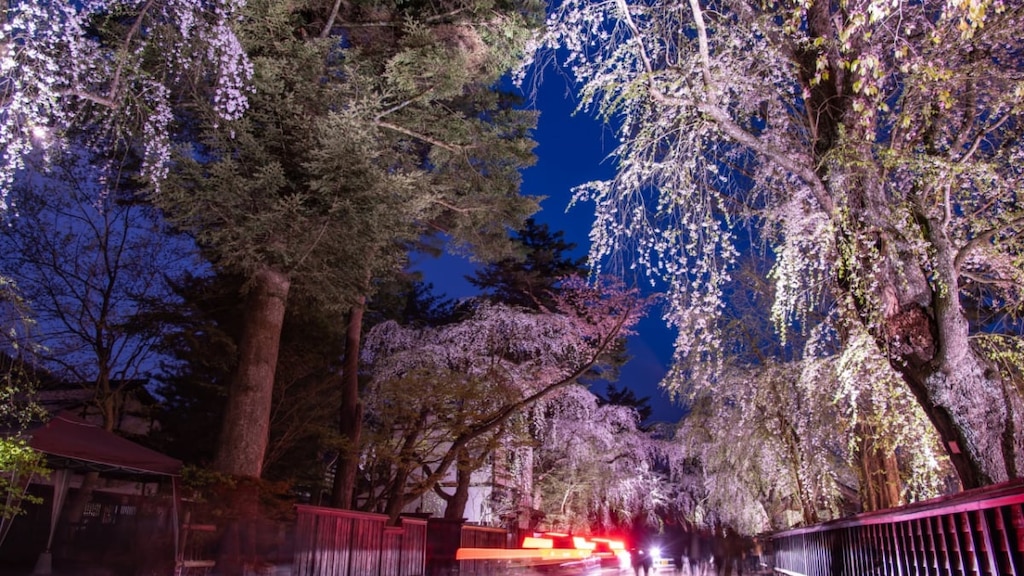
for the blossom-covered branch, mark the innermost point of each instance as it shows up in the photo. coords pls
(88, 67)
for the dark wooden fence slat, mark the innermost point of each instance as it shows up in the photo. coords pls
(1004, 548)
(970, 543)
(910, 547)
(947, 545)
(991, 552)
(922, 542)
(1013, 538)
(894, 547)
(859, 562)
(932, 560)
(960, 541)
(880, 544)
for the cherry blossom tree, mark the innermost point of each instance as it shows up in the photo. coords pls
(780, 444)
(462, 383)
(110, 69)
(874, 146)
(594, 469)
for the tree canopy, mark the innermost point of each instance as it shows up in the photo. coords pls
(873, 147)
(448, 394)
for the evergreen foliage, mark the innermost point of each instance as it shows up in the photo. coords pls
(368, 127)
(531, 277)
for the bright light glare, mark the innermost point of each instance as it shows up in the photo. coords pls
(532, 542)
(656, 553)
(582, 544)
(40, 132)
(624, 559)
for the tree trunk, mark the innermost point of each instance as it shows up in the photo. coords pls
(879, 473)
(455, 508)
(965, 398)
(351, 412)
(971, 412)
(90, 480)
(395, 495)
(246, 426)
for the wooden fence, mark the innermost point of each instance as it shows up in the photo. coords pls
(974, 533)
(330, 542)
(483, 537)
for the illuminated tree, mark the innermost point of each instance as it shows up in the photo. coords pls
(780, 444)
(873, 145)
(594, 468)
(448, 393)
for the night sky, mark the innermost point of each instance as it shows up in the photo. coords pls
(572, 150)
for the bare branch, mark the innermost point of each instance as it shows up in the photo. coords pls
(101, 100)
(418, 136)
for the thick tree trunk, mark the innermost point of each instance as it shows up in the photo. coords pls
(973, 411)
(246, 426)
(455, 508)
(965, 400)
(351, 412)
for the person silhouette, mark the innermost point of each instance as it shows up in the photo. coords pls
(640, 559)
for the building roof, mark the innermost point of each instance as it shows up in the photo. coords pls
(71, 442)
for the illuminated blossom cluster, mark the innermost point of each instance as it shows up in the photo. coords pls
(108, 69)
(775, 444)
(477, 382)
(519, 348)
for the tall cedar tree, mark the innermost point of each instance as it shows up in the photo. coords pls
(202, 339)
(530, 277)
(368, 126)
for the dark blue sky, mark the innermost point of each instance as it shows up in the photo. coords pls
(572, 150)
